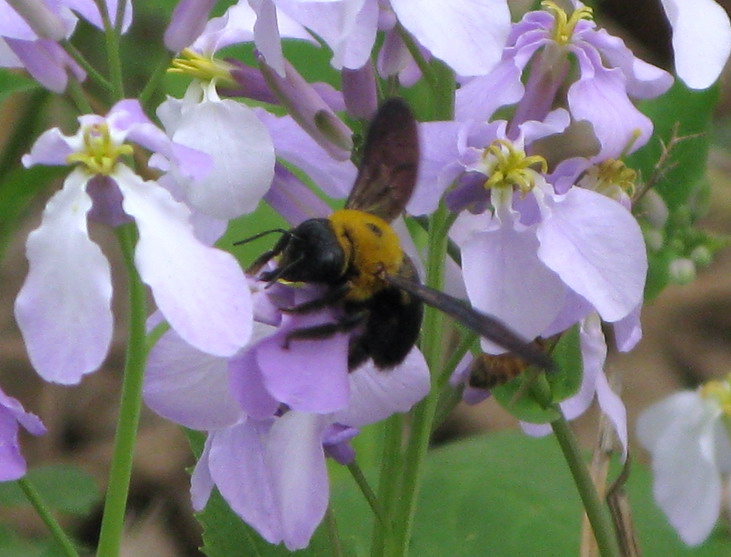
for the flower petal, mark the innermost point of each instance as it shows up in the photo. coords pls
(243, 157)
(201, 291)
(505, 278)
(596, 247)
(375, 394)
(240, 467)
(469, 35)
(63, 308)
(701, 40)
(188, 386)
(299, 475)
(679, 431)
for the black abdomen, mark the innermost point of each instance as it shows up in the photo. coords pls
(390, 331)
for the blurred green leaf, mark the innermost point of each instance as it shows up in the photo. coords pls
(566, 380)
(17, 189)
(686, 115)
(508, 494)
(15, 82)
(64, 488)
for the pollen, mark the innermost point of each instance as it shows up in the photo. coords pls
(204, 68)
(565, 25)
(100, 152)
(508, 166)
(611, 177)
(718, 390)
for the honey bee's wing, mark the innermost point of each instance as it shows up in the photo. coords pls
(484, 325)
(390, 163)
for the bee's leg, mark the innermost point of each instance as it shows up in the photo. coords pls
(326, 330)
(333, 295)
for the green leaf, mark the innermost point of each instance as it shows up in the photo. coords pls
(64, 488)
(566, 380)
(225, 534)
(510, 494)
(14, 82)
(17, 190)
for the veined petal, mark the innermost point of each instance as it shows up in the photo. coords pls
(308, 375)
(600, 97)
(188, 386)
(482, 96)
(701, 40)
(469, 35)
(596, 247)
(240, 467)
(63, 308)
(375, 394)
(201, 291)
(243, 157)
(505, 278)
(187, 23)
(299, 475)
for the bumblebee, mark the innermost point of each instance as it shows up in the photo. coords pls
(357, 257)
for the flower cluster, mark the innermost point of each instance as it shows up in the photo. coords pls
(527, 162)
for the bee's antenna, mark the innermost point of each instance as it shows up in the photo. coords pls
(273, 276)
(261, 234)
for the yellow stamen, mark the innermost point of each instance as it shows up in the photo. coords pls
(100, 153)
(509, 166)
(610, 175)
(564, 28)
(203, 68)
(718, 390)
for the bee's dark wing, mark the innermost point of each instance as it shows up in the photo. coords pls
(482, 324)
(390, 163)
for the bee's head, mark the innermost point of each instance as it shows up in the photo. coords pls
(308, 253)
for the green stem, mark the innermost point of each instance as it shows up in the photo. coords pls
(388, 484)
(44, 512)
(336, 546)
(114, 60)
(77, 96)
(424, 413)
(91, 71)
(154, 82)
(596, 511)
(367, 492)
(131, 402)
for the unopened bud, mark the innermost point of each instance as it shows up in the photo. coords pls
(40, 18)
(682, 271)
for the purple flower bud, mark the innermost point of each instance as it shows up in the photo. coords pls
(187, 23)
(359, 91)
(40, 18)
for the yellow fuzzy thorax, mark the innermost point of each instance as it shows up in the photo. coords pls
(371, 247)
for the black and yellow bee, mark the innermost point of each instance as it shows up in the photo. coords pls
(357, 256)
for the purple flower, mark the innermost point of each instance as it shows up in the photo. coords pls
(63, 308)
(687, 435)
(466, 34)
(608, 74)
(12, 414)
(274, 413)
(530, 256)
(29, 31)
